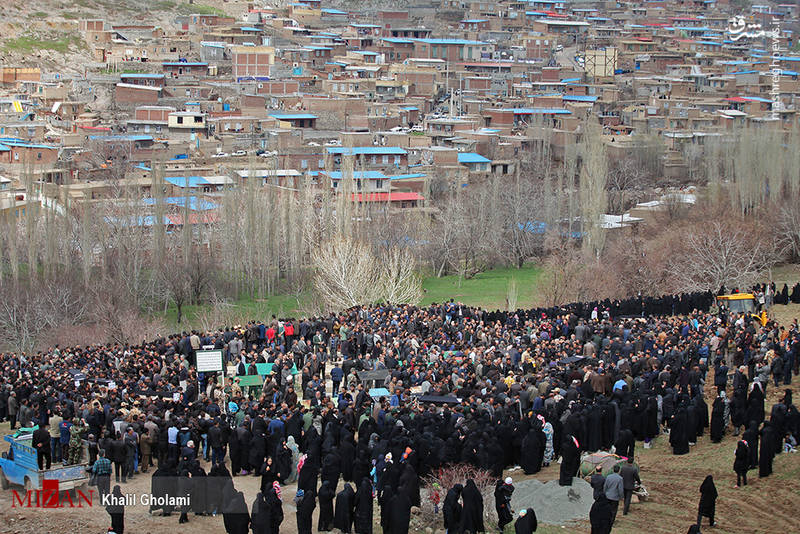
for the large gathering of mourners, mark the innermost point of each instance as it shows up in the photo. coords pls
(455, 385)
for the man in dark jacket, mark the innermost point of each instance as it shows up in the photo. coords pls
(216, 444)
(720, 375)
(336, 377)
(41, 442)
(13, 409)
(630, 477)
(598, 482)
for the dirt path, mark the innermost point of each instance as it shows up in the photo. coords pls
(764, 506)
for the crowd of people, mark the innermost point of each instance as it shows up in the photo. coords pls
(462, 386)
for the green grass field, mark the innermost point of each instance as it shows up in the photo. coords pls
(197, 9)
(28, 44)
(488, 289)
(281, 305)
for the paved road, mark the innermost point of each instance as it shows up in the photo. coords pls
(566, 58)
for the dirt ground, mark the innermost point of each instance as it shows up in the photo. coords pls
(764, 506)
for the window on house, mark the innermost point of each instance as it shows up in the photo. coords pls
(180, 120)
(198, 118)
(303, 163)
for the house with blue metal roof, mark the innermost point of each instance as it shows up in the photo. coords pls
(13, 151)
(474, 162)
(579, 98)
(295, 120)
(196, 184)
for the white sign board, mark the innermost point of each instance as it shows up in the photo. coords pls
(209, 361)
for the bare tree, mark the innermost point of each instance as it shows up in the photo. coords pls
(563, 268)
(176, 283)
(592, 190)
(523, 209)
(788, 227)
(201, 272)
(217, 314)
(721, 253)
(512, 295)
(470, 215)
(346, 273)
(27, 310)
(626, 184)
(400, 283)
(111, 160)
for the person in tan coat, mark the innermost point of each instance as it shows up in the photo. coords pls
(146, 447)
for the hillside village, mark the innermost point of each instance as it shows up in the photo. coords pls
(456, 91)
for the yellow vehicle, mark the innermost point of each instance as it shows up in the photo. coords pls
(743, 303)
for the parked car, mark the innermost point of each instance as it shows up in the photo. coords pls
(239, 153)
(220, 155)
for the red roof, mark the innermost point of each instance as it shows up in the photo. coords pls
(383, 197)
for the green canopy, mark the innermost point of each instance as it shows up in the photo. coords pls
(265, 369)
(251, 380)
